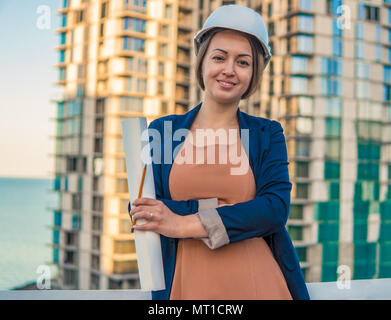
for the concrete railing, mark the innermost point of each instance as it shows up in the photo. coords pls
(377, 289)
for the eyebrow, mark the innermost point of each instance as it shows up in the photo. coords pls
(240, 55)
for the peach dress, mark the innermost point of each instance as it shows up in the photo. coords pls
(241, 270)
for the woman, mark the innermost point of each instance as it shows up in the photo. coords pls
(223, 234)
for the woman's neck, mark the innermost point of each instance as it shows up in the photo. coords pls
(214, 115)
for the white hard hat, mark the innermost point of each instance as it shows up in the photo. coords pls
(240, 18)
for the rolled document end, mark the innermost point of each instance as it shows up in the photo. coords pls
(148, 245)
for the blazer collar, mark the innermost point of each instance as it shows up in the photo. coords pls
(190, 116)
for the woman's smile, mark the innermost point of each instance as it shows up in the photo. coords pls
(226, 85)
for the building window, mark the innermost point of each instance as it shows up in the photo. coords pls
(360, 50)
(378, 52)
(296, 211)
(371, 13)
(333, 127)
(160, 87)
(305, 5)
(332, 6)
(62, 56)
(337, 30)
(269, 9)
(161, 68)
(333, 107)
(301, 169)
(304, 43)
(94, 281)
(332, 149)
(304, 126)
(63, 20)
(164, 107)
(331, 170)
(163, 50)
(95, 262)
(121, 267)
(298, 84)
(331, 87)
(378, 33)
(56, 236)
(363, 89)
(134, 24)
(301, 190)
(331, 67)
(103, 11)
(97, 203)
(124, 246)
(299, 64)
(305, 23)
(70, 238)
(69, 257)
(168, 11)
(125, 226)
(386, 93)
(362, 70)
(56, 255)
(303, 148)
(69, 277)
(95, 242)
(136, 5)
(96, 223)
(131, 104)
(62, 74)
(296, 232)
(115, 284)
(62, 38)
(122, 186)
(79, 16)
(359, 31)
(133, 44)
(337, 47)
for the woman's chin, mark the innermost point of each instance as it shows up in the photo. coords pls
(226, 98)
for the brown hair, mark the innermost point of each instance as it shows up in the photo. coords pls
(258, 60)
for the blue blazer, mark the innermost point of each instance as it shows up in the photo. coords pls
(264, 216)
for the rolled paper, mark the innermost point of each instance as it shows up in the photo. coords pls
(148, 246)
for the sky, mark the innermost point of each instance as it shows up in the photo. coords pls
(27, 74)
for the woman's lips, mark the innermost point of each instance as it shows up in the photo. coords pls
(226, 85)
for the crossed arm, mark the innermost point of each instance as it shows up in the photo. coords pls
(218, 226)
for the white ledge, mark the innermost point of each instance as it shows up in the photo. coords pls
(374, 289)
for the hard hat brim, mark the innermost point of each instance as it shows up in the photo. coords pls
(201, 33)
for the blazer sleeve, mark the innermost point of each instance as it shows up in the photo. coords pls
(263, 215)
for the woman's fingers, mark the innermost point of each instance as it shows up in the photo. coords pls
(145, 201)
(147, 215)
(142, 208)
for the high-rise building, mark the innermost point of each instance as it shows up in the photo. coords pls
(328, 83)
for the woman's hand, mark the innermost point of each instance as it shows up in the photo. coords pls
(162, 220)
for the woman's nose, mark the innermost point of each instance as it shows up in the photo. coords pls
(229, 69)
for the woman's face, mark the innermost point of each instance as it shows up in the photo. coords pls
(227, 67)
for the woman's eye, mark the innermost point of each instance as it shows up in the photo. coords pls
(244, 63)
(217, 58)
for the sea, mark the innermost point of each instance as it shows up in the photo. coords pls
(25, 230)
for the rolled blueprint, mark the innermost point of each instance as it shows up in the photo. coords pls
(148, 247)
